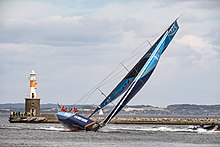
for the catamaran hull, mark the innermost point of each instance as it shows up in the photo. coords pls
(76, 122)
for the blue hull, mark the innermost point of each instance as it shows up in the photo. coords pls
(76, 122)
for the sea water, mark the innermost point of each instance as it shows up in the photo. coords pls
(23, 134)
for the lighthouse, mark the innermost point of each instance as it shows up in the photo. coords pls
(32, 102)
(33, 84)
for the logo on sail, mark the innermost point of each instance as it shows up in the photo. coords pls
(173, 30)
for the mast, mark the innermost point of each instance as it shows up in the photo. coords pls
(145, 70)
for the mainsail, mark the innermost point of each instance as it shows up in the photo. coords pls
(139, 75)
(129, 78)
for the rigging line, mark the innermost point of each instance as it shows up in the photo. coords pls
(116, 73)
(85, 98)
(135, 59)
(138, 52)
(113, 77)
(103, 83)
(149, 42)
(109, 74)
(138, 56)
(102, 92)
(112, 80)
(163, 30)
(124, 66)
(90, 93)
(95, 88)
(99, 101)
(88, 97)
(130, 64)
(85, 95)
(157, 34)
(135, 50)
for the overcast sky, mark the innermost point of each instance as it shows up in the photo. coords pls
(74, 44)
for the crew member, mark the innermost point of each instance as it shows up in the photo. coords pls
(63, 109)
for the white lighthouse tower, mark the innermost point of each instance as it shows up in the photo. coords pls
(33, 84)
(32, 102)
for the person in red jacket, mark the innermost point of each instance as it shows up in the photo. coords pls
(63, 109)
(76, 110)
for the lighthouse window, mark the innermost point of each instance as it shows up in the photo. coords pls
(32, 95)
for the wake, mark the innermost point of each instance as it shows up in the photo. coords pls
(51, 128)
(115, 128)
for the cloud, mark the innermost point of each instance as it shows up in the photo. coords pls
(59, 30)
(206, 52)
(74, 45)
(45, 27)
(199, 45)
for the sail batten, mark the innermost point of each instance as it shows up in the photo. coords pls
(146, 70)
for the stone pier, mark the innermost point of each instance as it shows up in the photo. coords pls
(51, 118)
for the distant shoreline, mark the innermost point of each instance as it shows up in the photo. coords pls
(177, 110)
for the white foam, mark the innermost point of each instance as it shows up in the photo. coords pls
(51, 128)
(114, 128)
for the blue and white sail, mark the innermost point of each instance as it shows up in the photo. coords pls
(129, 78)
(146, 70)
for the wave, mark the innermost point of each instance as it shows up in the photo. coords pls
(51, 128)
(115, 128)
(10, 127)
(33, 127)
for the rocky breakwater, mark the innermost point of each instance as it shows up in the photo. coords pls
(51, 118)
(43, 118)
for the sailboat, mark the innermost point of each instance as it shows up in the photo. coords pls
(128, 87)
